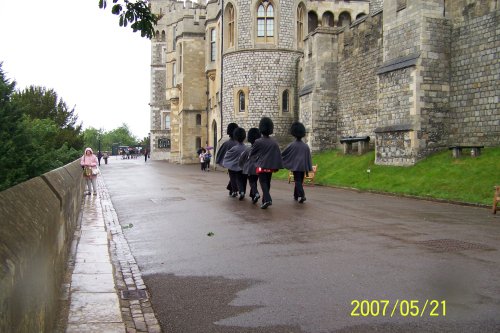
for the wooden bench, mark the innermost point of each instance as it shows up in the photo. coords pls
(308, 179)
(363, 143)
(457, 150)
(496, 199)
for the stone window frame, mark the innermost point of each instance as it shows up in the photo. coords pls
(265, 41)
(300, 24)
(291, 104)
(230, 26)
(236, 98)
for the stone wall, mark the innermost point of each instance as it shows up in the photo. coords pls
(475, 73)
(38, 219)
(269, 72)
(360, 52)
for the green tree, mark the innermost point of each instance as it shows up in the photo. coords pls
(42, 103)
(121, 135)
(136, 13)
(30, 145)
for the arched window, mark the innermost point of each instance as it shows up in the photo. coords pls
(285, 101)
(265, 21)
(198, 119)
(312, 21)
(157, 35)
(174, 35)
(327, 20)
(360, 15)
(344, 19)
(230, 25)
(301, 9)
(163, 38)
(241, 101)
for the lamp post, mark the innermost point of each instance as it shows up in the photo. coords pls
(99, 154)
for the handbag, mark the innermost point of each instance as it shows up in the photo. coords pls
(95, 171)
(87, 171)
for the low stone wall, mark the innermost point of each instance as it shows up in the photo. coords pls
(37, 222)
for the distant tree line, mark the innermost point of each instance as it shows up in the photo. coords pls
(40, 133)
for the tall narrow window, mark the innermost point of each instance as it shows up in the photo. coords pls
(174, 75)
(198, 119)
(213, 45)
(327, 20)
(265, 20)
(300, 25)
(167, 121)
(173, 37)
(180, 58)
(163, 38)
(312, 21)
(285, 105)
(230, 34)
(241, 98)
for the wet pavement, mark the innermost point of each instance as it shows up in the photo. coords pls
(211, 263)
(103, 290)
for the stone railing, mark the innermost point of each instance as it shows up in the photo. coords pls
(37, 222)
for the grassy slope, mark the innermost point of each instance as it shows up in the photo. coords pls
(439, 176)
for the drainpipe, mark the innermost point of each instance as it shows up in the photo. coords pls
(221, 67)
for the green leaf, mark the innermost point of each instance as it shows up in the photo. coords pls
(116, 9)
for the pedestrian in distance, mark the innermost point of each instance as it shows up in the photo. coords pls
(105, 156)
(90, 170)
(222, 152)
(232, 163)
(145, 155)
(249, 167)
(99, 156)
(201, 156)
(297, 158)
(267, 156)
(208, 158)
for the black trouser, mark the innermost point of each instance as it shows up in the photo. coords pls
(233, 181)
(202, 165)
(298, 190)
(242, 182)
(252, 181)
(265, 185)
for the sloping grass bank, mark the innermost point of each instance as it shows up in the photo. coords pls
(466, 179)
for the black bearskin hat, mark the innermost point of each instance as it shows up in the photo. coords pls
(253, 134)
(239, 134)
(230, 129)
(266, 126)
(298, 130)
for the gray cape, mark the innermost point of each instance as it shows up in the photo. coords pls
(266, 154)
(223, 150)
(232, 158)
(297, 157)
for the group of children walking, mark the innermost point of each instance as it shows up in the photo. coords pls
(261, 159)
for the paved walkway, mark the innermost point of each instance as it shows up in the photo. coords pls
(105, 292)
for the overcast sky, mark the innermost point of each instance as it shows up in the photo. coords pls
(82, 53)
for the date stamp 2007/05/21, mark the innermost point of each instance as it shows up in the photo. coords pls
(399, 307)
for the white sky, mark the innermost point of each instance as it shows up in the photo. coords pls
(80, 51)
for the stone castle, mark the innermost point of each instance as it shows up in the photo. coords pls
(414, 75)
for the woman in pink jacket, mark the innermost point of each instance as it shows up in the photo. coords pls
(89, 165)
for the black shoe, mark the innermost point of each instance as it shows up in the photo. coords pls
(256, 198)
(234, 194)
(242, 195)
(295, 198)
(302, 200)
(266, 204)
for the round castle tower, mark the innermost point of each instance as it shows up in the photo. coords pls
(259, 63)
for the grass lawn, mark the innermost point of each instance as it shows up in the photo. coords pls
(466, 179)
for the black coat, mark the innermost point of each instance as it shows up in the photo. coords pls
(265, 153)
(297, 157)
(232, 158)
(223, 150)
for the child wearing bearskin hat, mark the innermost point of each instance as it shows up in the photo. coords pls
(297, 158)
(248, 166)
(222, 152)
(231, 162)
(267, 157)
